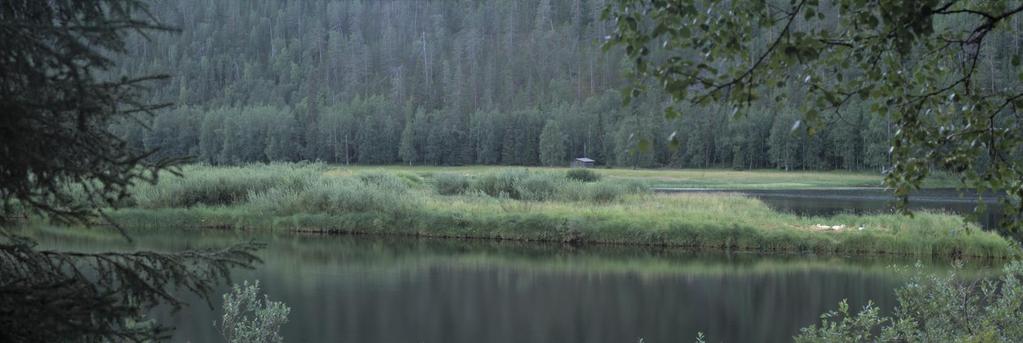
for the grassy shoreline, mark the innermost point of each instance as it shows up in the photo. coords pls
(514, 204)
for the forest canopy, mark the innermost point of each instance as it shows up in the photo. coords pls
(451, 83)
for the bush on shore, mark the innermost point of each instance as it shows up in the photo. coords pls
(584, 175)
(934, 309)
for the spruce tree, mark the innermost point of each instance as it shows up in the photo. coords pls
(59, 159)
(407, 148)
(552, 145)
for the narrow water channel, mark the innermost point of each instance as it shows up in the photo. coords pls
(365, 289)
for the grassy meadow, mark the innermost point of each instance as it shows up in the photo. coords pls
(553, 205)
(684, 178)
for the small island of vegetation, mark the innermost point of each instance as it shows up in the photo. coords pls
(576, 206)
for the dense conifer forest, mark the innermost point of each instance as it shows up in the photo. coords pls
(458, 82)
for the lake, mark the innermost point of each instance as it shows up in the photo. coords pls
(377, 289)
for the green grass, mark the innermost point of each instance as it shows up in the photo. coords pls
(687, 178)
(534, 205)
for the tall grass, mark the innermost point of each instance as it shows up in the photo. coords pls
(525, 205)
(279, 189)
(520, 184)
(207, 185)
(366, 193)
(450, 183)
(584, 175)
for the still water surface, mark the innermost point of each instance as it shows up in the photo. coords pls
(364, 289)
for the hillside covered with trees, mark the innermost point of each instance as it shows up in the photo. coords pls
(453, 83)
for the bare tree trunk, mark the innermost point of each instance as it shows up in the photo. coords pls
(347, 149)
(426, 65)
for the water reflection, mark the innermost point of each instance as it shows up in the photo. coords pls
(360, 289)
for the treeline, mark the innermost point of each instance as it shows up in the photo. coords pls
(447, 83)
(376, 130)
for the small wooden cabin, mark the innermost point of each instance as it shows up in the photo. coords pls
(582, 162)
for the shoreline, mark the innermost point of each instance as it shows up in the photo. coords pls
(976, 244)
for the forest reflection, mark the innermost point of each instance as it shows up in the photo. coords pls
(360, 289)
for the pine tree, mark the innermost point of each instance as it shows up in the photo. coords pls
(784, 141)
(407, 148)
(552, 144)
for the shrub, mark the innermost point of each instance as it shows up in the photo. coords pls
(584, 175)
(934, 309)
(338, 195)
(450, 183)
(540, 187)
(249, 319)
(500, 183)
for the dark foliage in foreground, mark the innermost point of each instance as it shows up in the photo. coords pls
(54, 296)
(57, 106)
(58, 159)
(915, 64)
